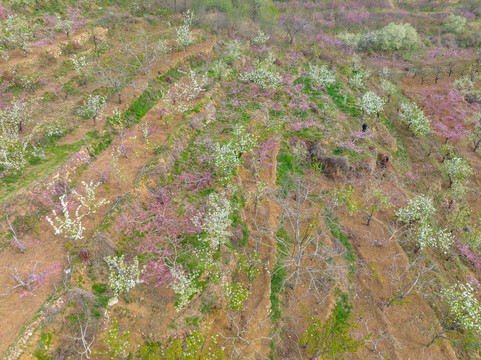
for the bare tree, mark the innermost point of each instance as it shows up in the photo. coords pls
(145, 49)
(437, 327)
(30, 281)
(373, 339)
(17, 243)
(243, 340)
(116, 70)
(380, 236)
(85, 337)
(293, 24)
(303, 251)
(407, 277)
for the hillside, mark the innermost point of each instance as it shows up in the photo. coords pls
(217, 179)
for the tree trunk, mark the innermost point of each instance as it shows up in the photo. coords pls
(119, 95)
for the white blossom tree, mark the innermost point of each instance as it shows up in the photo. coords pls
(70, 225)
(420, 213)
(87, 198)
(15, 148)
(184, 286)
(415, 118)
(228, 156)
(261, 38)
(92, 107)
(463, 306)
(321, 75)
(371, 104)
(456, 169)
(388, 88)
(217, 222)
(123, 277)
(264, 74)
(82, 66)
(15, 33)
(184, 33)
(18, 112)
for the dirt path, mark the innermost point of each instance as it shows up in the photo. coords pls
(17, 58)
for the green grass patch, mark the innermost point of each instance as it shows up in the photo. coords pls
(286, 163)
(345, 102)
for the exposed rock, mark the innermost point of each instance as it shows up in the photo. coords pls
(335, 166)
(210, 112)
(196, 121)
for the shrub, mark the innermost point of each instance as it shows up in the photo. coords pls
(389, 38)
(454, 23)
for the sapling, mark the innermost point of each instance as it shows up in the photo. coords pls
(249, 264)
(345, 195)
(198, 345)
(235, 294)
(331, 338)
(374, 199)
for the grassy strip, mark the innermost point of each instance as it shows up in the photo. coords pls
(277, 279)
(334, 225)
